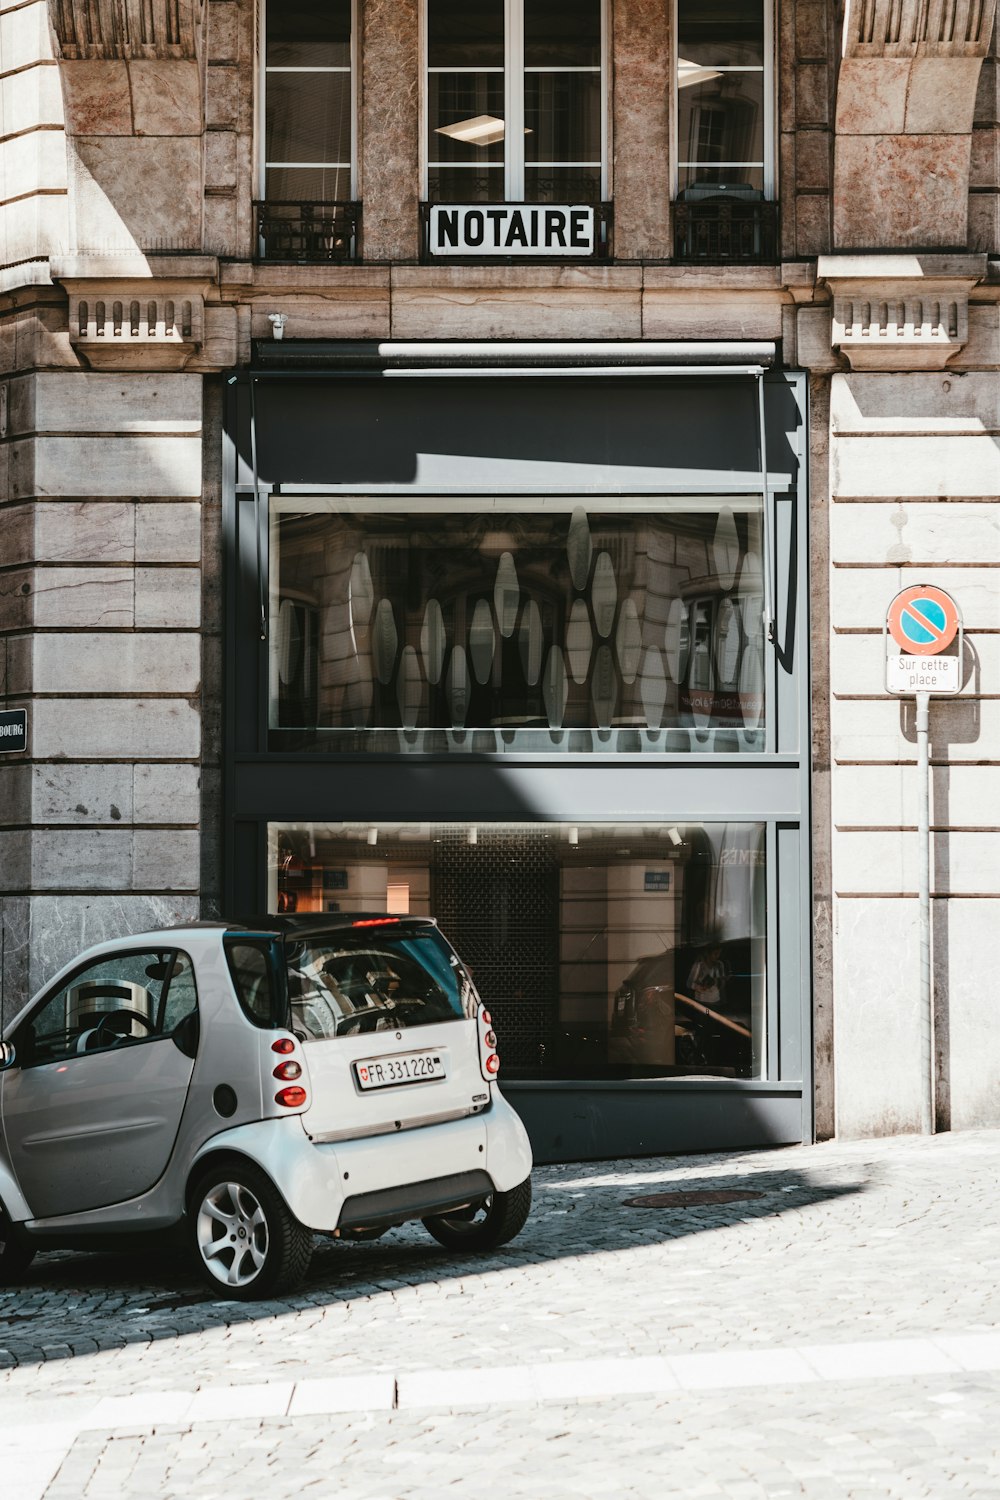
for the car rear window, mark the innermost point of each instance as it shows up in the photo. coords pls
(360, 980)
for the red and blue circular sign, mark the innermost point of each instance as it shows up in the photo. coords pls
(923, 620)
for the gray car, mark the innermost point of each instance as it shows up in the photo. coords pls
(247, 1087)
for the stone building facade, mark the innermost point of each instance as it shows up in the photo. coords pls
(139, 283)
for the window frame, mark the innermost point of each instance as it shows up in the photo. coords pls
(514, 69)
(770, 166)
(80, 969)
(260, 154)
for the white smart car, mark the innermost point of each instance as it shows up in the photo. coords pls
(249, 1087)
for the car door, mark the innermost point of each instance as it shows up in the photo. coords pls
(92, 1105)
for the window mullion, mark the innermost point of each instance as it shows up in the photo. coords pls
(514, 134)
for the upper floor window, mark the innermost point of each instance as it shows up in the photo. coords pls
(515, 101)
(308, 104)
(724, 100)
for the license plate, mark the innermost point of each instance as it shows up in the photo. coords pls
(408, 1067)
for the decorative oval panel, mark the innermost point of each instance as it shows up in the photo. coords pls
(579, 641)
(409, 687)
(555, 688)
(457, 687)
(385, 641)
(482, 641)
(604, 594)
(579, 548)
(628, 641)
(433, 640)
(506, 595)
(728, 639)
(360, 591)
(530, 641)
(726, 548)
(653, 687)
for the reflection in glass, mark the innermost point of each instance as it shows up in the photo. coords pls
(557, 34)
(308, 117)
(726, 33)
(601, 950)
(465, 118)
(720, 99)
(546, 629)
(558, 88)
(301, 34)
(562, 118)
(465, 33)
(307, 102)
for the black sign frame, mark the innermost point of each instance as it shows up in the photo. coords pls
(13, 730)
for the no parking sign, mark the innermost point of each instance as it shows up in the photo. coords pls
(925, 624)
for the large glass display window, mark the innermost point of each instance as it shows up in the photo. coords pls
(602, 950)
(554, 624)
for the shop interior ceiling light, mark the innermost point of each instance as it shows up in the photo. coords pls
(692, 72)
(480, 130)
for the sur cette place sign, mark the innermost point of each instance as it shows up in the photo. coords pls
(511, 229)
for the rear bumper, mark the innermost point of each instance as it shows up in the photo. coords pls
(415, 1200)
(392, 1174)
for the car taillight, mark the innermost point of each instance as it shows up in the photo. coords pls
(286, 1071)
(489, 1062)
(283, 1044)
(291, 1098)
(377, 922)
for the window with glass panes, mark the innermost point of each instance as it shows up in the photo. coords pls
(515, 101)
(308, 111)
(724, 99)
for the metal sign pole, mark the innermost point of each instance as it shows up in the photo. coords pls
(925, 625)
(923, 703)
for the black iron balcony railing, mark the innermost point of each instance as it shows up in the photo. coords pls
(308, 231)
(720, 230)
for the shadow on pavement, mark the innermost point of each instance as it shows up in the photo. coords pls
(78, 1303)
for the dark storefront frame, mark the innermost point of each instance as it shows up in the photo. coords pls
(567, 1119)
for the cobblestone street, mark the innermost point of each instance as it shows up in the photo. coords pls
(831, 1331)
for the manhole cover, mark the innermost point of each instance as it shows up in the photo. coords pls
(690, 1199)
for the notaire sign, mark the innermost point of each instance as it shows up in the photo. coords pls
(511, 229)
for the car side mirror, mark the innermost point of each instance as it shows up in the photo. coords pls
(7, 1055)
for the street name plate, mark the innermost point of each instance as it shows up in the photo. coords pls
(13, 730)
(922, 674)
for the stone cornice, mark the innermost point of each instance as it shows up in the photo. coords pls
(918, 28)
(900, 312)
(114, 29)
(128, 314)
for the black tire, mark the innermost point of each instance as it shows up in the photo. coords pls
(271, 1250)
(15, 1255)
(487, 1226)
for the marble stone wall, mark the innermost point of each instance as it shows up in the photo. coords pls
(100, 605)
(915, 474)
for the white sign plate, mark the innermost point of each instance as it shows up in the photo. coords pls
(909, 675)
(511, 229)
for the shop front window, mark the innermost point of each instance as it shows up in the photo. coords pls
(564, 625)
(515, 101)
(615, 951)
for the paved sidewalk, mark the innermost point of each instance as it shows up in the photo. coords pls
(833, 1333)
